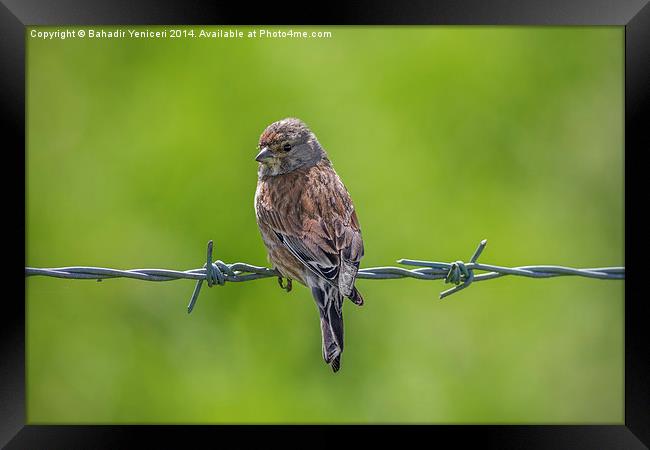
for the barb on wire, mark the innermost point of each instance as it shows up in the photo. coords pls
(458, 273)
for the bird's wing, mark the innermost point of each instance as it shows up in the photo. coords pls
(321, 229)
(316, 251)
(351, 248)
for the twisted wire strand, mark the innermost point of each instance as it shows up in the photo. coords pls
(458, 273)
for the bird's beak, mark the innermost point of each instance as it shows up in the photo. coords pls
(264, 155)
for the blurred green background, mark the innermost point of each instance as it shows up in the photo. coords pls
(140, 151)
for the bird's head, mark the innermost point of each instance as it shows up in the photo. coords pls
(287, 145)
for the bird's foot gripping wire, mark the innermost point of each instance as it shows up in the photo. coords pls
(288, 285)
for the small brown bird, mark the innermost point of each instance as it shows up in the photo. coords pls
(308, 224)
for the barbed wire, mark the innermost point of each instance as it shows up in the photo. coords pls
(218, 273)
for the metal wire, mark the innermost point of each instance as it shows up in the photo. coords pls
(458, 273)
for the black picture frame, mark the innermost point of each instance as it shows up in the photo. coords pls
(16, 15)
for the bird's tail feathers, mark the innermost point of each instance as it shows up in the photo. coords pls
(336, 363)
(330, 304)
(331, 348)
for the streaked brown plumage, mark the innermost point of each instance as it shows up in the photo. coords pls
(308, 224)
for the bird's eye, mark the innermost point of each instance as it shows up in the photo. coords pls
(286, 147)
